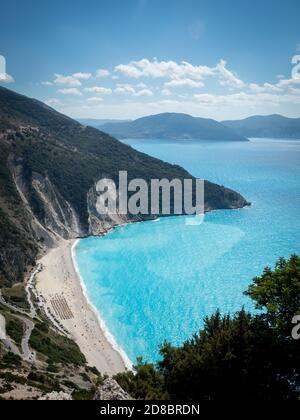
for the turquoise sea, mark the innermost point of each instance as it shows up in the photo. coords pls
(156, 281)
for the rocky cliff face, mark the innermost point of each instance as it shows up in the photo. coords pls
(98, 225)
(111, 390)
(55, 217)
(56, 396)
(51, 216)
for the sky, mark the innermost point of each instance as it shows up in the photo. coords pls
(123, 59)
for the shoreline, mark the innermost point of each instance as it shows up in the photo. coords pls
(109, 336)
(90, 332)
(60, 280)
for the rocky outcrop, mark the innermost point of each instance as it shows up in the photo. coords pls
(56, 218)
(59, 216)
(2, 328)
(23, 187)
(54, 214)
(56, 396)
(101, 223)
(111, 390)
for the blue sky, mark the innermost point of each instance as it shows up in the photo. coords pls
(129, 58)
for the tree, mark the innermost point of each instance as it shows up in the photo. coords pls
(277, 294)
(240, 357)
(146, 383)
(232, 358)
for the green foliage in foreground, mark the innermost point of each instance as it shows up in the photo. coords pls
(84, 394)
(14, 325)
(278, 292)
(241, 357)
(56, 348)
(10, 360)
(15, 329)
(16, 296)
(146, 383)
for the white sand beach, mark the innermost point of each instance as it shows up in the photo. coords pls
(60, 286)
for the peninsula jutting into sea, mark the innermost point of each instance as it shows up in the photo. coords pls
(149, 206)
(58, 213)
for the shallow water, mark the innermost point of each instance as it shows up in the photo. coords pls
(157, 281)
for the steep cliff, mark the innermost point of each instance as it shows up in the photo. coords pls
(49, 166)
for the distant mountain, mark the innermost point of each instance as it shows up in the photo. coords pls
(49, 167)
(97, 123)
(271, 126)
(173, 126)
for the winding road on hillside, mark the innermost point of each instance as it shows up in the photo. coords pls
(27, 354)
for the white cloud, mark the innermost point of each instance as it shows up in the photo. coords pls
(180, 71)
(66, 80)
(95, 99)
(206, 98)
(125, 89)
(73, 81)
(129, 70)
(168, 102)
(6, 78)
(266, 87)
(100, 90)
(246, 99)
(102, 73)
(236, 96)
(70, 91)
(144, 92)
(227, 78)
(294, 91)
(82, 76)
(52, 101)
(158, 69)
(141, 85)
(189, 83)
(288, 82)
(166, 92)
(166, 105)
(280, 87)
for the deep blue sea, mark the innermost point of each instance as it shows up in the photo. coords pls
(156, 281)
